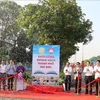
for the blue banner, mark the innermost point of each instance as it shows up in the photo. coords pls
(45, 63)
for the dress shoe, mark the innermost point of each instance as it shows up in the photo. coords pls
(90, 93)
(75, 92)
(68, 91)
(96, 94)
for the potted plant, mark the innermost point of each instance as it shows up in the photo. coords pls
(28, 79)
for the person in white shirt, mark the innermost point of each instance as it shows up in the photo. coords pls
(67, 72)
(77, 72)
(3, 73)
(88, 71)
(97, 74)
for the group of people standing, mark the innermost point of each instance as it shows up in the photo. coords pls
(88, 72)
(10, 71)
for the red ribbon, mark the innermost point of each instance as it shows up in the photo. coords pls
(98, 79)
(16, 75)
(79, 76)
(1, 78)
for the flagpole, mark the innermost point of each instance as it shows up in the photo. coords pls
(82, 56)
(82, 52)
(75, 58)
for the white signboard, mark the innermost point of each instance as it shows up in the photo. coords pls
(45, 64)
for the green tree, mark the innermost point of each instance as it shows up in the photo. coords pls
(92, 59)
(56, 22)
(98, 57)
(8, 20)
(8, 25)
(13, 40)
(18, 51)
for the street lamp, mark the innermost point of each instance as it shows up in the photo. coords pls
(28, 49)
(16, 45)
(82, 56)
(16, 51)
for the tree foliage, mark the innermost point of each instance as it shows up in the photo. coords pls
(11, 34)
(56, 22)
(8, 20)
(92, 59)
(18, 52)
(8, 26)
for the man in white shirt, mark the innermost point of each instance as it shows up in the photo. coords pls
(88, 71)
(67, 72)
(3, 73)
(97, 74)
(77, 73)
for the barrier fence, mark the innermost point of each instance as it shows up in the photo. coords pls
(94, 85)
(5, 79)
(52, 92)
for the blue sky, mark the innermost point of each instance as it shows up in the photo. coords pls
(92, 10)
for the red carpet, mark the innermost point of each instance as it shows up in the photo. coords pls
(40, 96)
(44, 89)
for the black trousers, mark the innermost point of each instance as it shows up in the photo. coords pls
(10, 82)
(3, 75)
(67, 82)
(87, 80)
(77, 85)
(97, 88)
